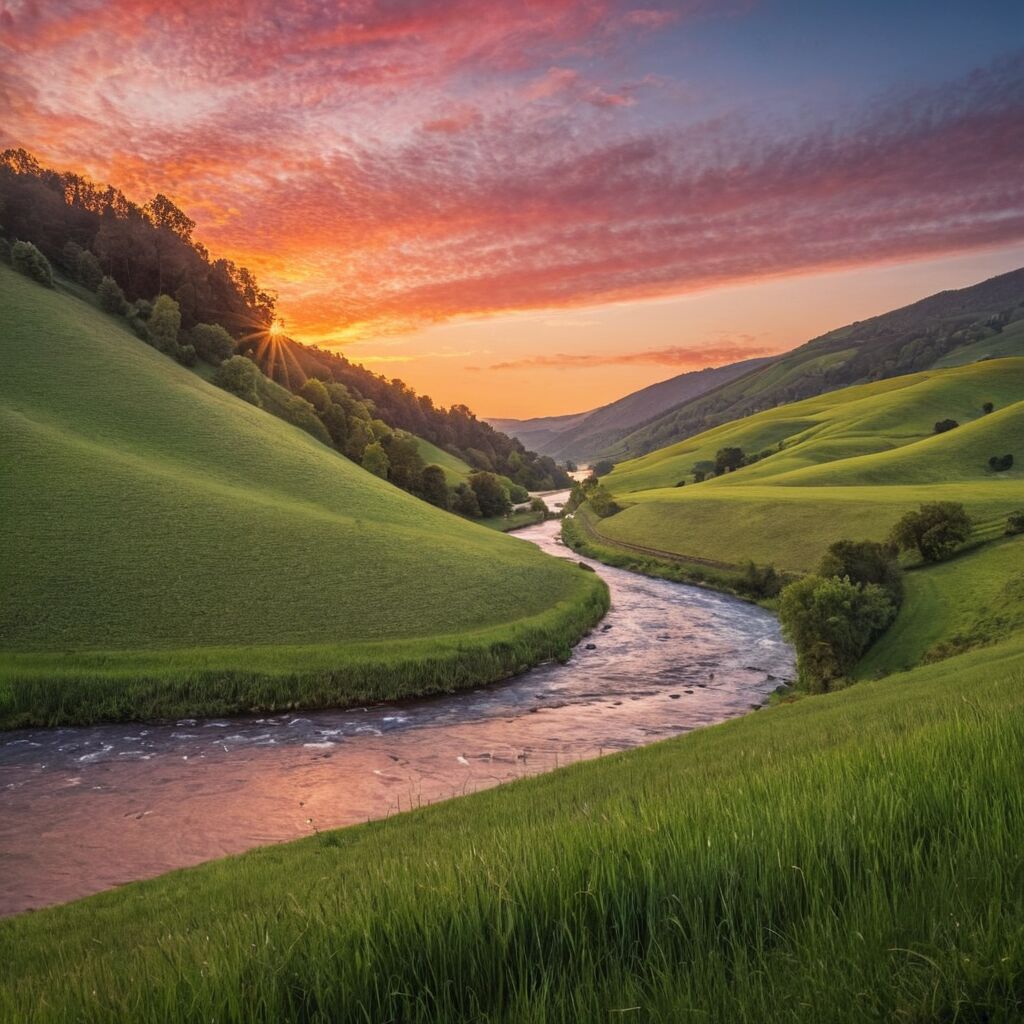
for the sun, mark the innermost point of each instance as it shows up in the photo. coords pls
(276, 329)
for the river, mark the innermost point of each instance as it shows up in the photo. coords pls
(85, 809)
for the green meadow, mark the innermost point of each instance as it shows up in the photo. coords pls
(169, 548)
(844, 464)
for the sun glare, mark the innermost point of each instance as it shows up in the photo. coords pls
(276, 329)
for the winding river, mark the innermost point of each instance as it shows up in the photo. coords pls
(85, 809)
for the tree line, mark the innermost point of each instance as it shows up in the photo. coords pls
(141, 262)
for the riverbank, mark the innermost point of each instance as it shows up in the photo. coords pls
(847, 858)
(142, 799)
(86, 687)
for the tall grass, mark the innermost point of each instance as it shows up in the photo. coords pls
(49, 690)
(847, 858)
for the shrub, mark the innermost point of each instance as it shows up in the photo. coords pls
(1000, 463)
(1015, 523)
(518, 494)
(212, 343)
(69, 258)
(864, 562)
(943, 425)
(140, 329)
(728, 459)
(143, 308)
(375, 460)
(28, 260)
(680, 483)
(5, 251)
(602, 467)
(491, 496)
(702, 470)
(434, 486)
(315, 392)
(602, 502)
(464, 501)
(831, 622)
(936, 530)
(111, 297)
(165, 323)
(239, 376)
(88, 270)
(760, 581)
(987, 407)
(186, 355)
(539, 505)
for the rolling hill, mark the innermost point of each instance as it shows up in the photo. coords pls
(950, 328)
(845, 464)
(170, 548)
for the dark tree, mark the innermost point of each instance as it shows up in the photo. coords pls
(111, 297)
(1015, 523)
(987, 407)
(28, 260)
(464, 501)
(165, 323)
(1000, 463)
(88, 270)
(491, 496)
(728, 459)
(239, 376)
(831, 622)
(943, 425)
(602, 467)
(935, 530)
(434, 486)
(375, 460)
(864, 562)
(212, 342)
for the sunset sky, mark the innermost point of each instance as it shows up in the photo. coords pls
(536, 207)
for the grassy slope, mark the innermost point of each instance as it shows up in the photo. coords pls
(853, 461)
(846, 858)
(157, 526)
(455, 470)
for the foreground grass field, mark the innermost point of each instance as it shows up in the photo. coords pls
(851, 463)
(170, 549)
(852, 857)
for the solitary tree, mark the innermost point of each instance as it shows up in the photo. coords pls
(164, 324)
(1000, 463)
(936, 530)
(943, 425)
(603, 467)
(728, 459)
(831, 622)
(987, 407)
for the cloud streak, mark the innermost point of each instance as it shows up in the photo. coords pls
(391, 164)
(679, 356)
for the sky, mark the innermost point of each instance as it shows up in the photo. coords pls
(537, 206)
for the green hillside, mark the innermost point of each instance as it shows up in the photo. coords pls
(455, 470)
(851, 462)
(169, 547)
(950, 328)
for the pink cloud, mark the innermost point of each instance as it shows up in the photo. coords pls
(386, 164)
(676, 355)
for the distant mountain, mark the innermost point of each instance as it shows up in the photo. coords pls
(582, 436)
(951, 328)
